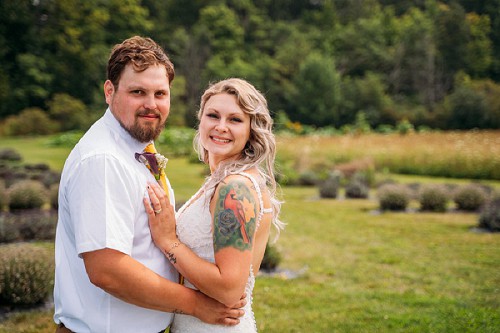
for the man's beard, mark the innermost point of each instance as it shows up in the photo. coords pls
(143, 133)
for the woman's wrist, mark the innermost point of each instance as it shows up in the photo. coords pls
(169, 249)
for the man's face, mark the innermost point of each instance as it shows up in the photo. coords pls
(141, 102)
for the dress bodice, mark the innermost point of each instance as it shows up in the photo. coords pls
(194, 229)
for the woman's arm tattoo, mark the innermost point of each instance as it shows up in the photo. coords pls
(234, 216)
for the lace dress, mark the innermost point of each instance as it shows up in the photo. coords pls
(194, 228)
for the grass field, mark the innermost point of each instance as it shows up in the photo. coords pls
(362, 271)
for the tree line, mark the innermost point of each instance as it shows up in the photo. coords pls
(319, 62)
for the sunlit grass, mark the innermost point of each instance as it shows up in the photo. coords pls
(472, 154)
(363, 271)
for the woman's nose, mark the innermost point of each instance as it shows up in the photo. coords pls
(221, 126)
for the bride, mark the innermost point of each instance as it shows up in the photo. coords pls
(222, 231)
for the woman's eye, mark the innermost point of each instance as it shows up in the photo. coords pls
(237, 120)
(212, 115)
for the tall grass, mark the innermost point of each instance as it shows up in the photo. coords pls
(472, 154)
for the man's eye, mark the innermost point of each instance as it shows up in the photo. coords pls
(137, 92)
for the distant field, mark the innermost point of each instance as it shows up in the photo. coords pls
(473, 154)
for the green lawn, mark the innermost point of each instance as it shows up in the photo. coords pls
(362, 271)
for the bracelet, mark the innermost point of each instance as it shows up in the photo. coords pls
(174, 245)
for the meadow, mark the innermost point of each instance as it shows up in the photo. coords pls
(359, 270)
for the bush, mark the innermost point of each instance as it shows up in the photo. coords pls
(357, 188)
(490, 216)
(31, 121)
(27, 194)
(69, 112)
(470, 197)
(9, 230)
(308, 178)
(330, 187)
(271, 259)
(10, 154)
(393, 197)
(54, 196)
(26, 274)
(27, 225)
(4, 196)
(433, 198)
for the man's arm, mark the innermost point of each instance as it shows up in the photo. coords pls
(125, 278)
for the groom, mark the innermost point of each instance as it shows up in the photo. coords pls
(109, 275)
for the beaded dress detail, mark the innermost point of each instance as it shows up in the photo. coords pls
(194, 229)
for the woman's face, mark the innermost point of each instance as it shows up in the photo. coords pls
(224, 128)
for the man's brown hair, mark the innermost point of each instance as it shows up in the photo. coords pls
(141, 52)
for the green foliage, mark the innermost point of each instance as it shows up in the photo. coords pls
(404, 127)
(469, 197)
(489, 217)
(317, 91)
(69, 112)
(26, 274)
(178, 141)
(393, 197)
(329, 188)
(31, 121)
(27, 194)
(320, 62)
(67, 139)
(433, 198)
(272, 258)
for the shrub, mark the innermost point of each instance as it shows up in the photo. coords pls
(393, 197)
(26, 274)
(272, 258)
(490, 215)
(9, 230)
(433, 198)
(54, 196)
(470, 197)
(10, 154)
(357, 188)
(69, 112)
(27, 225)
(308, 178)
(4, 197)
(27, 194)
(330, 187)
(31, 121)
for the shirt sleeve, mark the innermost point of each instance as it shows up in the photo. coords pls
(101, 205)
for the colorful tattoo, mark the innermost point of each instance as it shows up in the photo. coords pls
(234, 217)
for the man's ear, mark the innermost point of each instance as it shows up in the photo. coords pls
(109, 90)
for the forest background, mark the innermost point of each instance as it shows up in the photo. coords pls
(322, 63)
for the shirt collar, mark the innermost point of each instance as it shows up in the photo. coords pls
(119, 131)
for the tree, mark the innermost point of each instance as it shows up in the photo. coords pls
(317, 92)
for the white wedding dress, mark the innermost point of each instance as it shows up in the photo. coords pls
(194, 228)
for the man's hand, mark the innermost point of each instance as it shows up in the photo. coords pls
(213, 312)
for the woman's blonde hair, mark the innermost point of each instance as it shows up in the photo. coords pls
(260, 150)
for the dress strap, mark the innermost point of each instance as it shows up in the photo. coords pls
(262, 210)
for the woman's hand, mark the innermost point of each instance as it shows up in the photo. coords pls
(161, 218)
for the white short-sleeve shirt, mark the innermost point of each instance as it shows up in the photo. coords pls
(100, 206)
